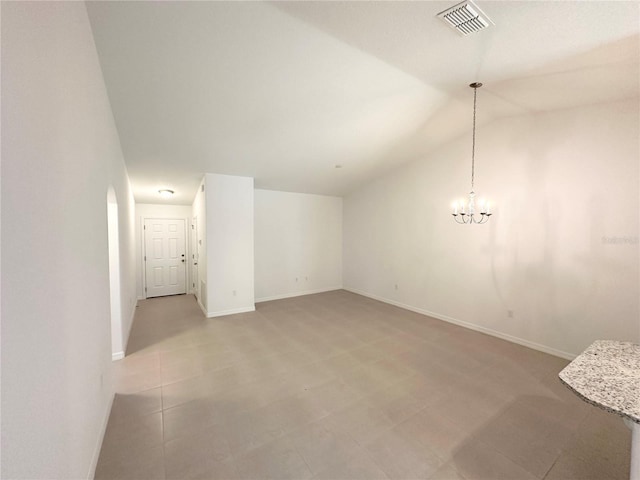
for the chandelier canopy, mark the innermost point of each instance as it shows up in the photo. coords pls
(467, 211)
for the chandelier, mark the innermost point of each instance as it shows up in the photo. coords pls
(467, 211)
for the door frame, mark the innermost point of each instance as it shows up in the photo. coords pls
(194, 250)
(118, 344)
(143, 245)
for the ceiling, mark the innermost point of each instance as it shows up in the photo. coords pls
(285, 91)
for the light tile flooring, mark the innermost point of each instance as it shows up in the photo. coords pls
(338, 386)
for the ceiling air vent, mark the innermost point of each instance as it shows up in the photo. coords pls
(465, 18)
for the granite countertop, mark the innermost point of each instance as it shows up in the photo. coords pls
(607, 375)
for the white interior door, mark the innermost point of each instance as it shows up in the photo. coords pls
(165, 257)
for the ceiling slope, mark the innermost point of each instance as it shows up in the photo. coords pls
(285, 91)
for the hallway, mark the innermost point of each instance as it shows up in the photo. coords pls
(339, 386)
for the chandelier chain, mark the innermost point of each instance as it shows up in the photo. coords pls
(472, 211)
(473, 144)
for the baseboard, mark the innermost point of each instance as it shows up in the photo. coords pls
(120, 355)
(204, 310)
(231, 311)
(117, 356)
(470, 326)
(132, 317)
(96, 452)
(141, 298)
(296, 294)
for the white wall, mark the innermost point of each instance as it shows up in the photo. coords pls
(565, 186)
(229, 238)
(60, 153)
(147, 210)
(298, 244)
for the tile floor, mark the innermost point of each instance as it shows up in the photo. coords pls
(338, 386)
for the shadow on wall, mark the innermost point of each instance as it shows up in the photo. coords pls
(552, 260)
(524, 247)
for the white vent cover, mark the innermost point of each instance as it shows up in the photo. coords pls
(465, 18)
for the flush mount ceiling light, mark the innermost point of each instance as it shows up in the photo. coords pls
(165, 192)
(463, 212)
(465, 18)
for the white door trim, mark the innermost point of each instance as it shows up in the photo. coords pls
(193, 244)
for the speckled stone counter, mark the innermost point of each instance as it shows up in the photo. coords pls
(607, 375)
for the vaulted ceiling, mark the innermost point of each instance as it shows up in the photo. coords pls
(285, 91)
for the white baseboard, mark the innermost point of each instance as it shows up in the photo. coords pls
(131, 319)
(231, 311)
(96, 451)
(221, 313)
(470, 326)
(204, 310)
(120, 355)
(296, 294)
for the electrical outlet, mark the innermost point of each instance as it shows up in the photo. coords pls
(234, 293)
